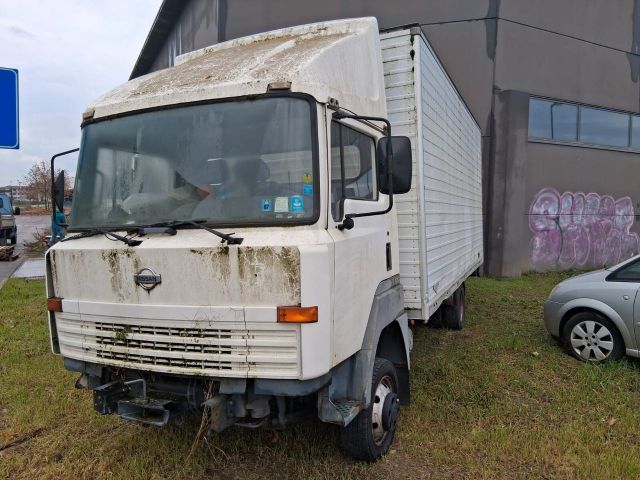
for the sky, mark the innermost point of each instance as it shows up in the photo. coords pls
(68, 52)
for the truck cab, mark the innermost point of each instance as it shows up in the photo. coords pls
(236, 246)
(8, 228)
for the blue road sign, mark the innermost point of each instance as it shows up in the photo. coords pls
(9, 134)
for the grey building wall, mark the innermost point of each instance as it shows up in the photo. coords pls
(531, 179)
(591, 237)
(498, 53)
(197, 27)
(549, 64)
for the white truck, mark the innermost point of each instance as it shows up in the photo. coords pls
(252, 242)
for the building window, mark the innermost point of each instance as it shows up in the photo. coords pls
(635, 132)
(540, 118)
(603, 127)
(564, 122)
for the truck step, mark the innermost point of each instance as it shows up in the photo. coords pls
(349, 409)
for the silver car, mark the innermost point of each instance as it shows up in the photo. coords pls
(596, 315)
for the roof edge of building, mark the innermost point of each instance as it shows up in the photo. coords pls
(168, 13)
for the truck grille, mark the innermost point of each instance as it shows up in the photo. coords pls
(264, 350)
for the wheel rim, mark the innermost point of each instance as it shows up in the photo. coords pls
(592, 341)
(385, 389)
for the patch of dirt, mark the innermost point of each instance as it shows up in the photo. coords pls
(32, 212)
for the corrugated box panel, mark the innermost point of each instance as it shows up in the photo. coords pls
(401, 110)
(452, 181)
(440, 219)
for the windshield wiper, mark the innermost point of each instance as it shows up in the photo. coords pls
(107, 233)
(169, 227)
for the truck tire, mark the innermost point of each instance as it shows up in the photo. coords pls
(436, 320)
(453, 315)
(371, 433)
(14, 240)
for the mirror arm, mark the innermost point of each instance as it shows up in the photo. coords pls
(347, 223)
(53, 194)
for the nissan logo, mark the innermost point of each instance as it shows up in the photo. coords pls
(147, 278)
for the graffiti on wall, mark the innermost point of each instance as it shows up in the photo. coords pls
(580, 230)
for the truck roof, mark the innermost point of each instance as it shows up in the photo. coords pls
(339, 59)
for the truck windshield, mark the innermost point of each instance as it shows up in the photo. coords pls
(242, 162)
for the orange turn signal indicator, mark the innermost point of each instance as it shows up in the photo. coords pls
(54, 304)
(297, 314)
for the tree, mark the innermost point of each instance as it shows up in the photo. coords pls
(38, 182)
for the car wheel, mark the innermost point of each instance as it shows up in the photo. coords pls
(453, 316)
(370, 434)
(591, 337)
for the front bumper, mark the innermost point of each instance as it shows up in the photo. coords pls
(553, 317)
(154, 398)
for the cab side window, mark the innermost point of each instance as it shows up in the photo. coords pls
(352, 172)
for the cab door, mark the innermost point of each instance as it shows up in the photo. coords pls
(363, 253)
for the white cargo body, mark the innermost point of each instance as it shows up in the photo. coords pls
(440, 219)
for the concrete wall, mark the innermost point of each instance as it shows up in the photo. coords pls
(606, 22)
(557, 206)
(467, 51)
(577, 50)
(196, 28)
(553, 65)
(598, 220)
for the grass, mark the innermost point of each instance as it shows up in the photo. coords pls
(499, 399)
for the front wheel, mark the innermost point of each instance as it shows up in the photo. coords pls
(14, 240)
(593, 338)
(371, 433)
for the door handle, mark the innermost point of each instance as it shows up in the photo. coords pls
(625, 297)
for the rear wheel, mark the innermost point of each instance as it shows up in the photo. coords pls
(370, 434)
(591, 337)
(436, 320)
(453, 316)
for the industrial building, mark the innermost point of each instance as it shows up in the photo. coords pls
(553, 85)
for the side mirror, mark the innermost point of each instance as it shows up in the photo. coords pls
(16, 210)
(401, 168)
(58, 191)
